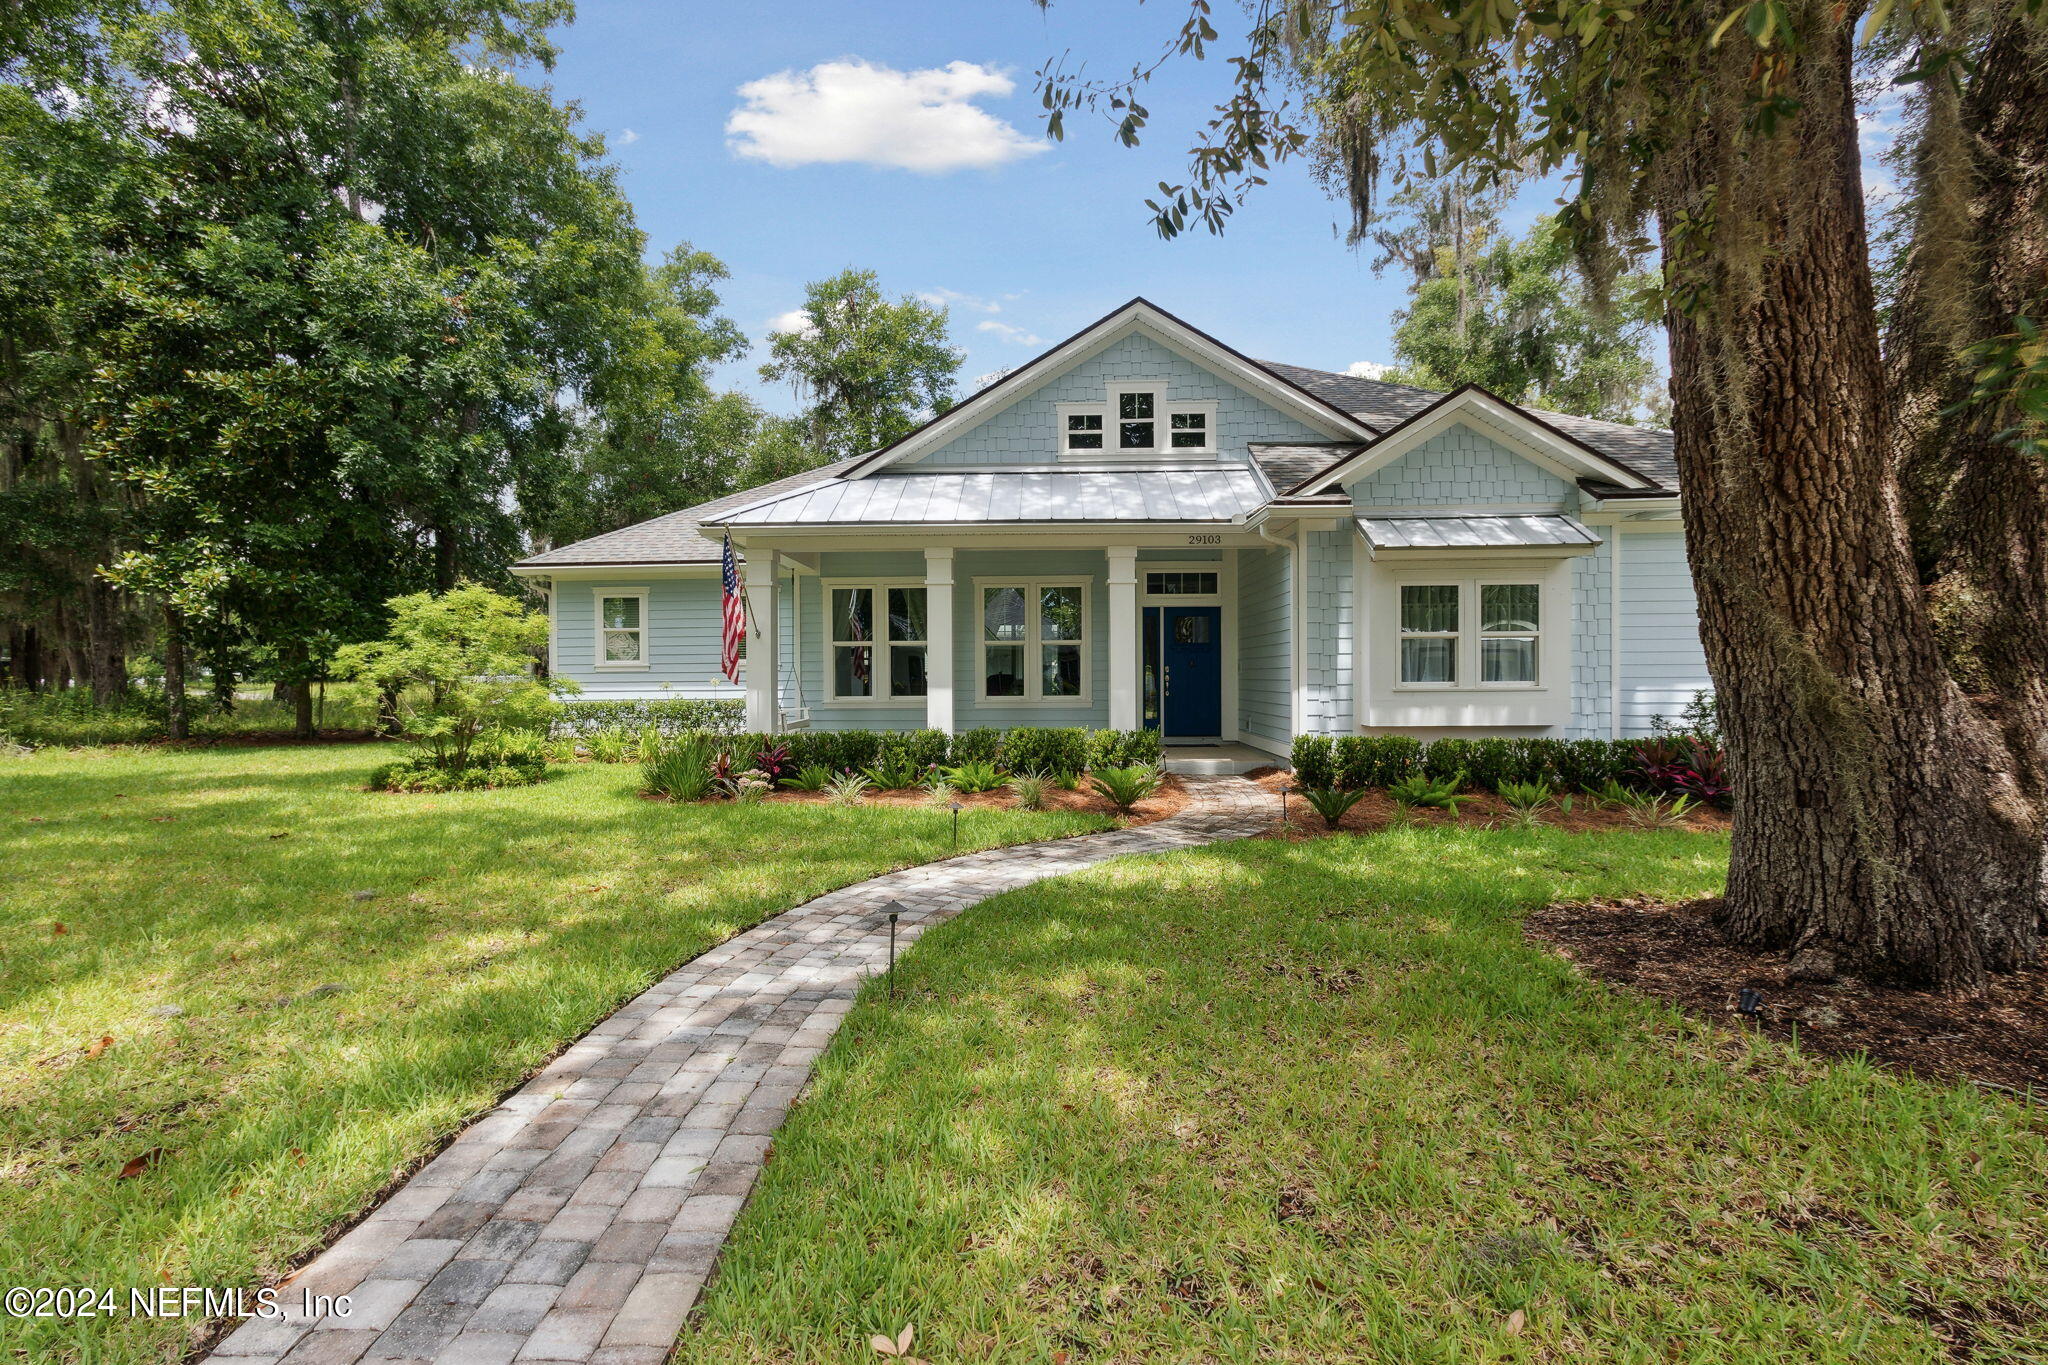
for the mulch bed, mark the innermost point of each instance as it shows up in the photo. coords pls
(1481, 811)
(1676, 954)
(1170, 799)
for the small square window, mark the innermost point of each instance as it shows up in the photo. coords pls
(1190, 431)
(1084, 431)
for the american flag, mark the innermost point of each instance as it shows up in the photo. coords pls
(735, 632)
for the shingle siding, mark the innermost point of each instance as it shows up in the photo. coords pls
(1462, 468)
(1593, 644)
(1026, 431)
(1328, 647)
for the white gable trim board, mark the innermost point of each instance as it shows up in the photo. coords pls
(1455, 571)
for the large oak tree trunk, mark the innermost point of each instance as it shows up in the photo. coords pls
(1873, 828)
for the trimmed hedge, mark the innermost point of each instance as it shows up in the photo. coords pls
(1044, 750)
(1352, 762)
(670, 715)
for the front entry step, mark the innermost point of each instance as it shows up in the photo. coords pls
(1218, 760)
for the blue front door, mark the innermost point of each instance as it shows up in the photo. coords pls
(1184, 671)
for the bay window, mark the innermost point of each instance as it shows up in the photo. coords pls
(1034, 640)
(1435, 626)
(878, 640)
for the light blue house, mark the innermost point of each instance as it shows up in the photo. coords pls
(1143, 527)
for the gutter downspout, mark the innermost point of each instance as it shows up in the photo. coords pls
(1297, 651)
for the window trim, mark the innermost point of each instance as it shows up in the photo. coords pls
(1207, 408)
(1112, 421)
(1033, 641)
(879, 661)
(645, 631)
(1063, 411)
(1148, 567)
(1163, 409)
(1465, 658)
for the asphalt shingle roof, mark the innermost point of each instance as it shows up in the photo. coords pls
(1647, 450)
(1287, 465)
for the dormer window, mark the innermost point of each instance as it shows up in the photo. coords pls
(1190, 430)
(1136, 421)
(1084, 431)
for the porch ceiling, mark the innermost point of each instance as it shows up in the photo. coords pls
(1063, 495)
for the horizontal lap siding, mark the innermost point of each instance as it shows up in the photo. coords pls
(894, 714)
(1025, 432)
(682, 640)
(1662, 661)
(1263, 702)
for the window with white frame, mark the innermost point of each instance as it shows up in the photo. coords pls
(1509, 637)
(1137, 421)
(621, 628)
(874, 657)
(1083, 428)
(1189, 428)
(1034, 641)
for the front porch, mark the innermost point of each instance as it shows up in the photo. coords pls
(1187, 633)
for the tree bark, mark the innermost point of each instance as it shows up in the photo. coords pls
(302, 709)
(174, 675)
(1873, 828)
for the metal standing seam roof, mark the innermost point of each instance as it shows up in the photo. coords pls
(1460, 533)
(1218, 494)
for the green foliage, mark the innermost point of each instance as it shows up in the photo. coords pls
(1701, 720)
(864, 368)
(424, 772)
(921, 749)
(982, 745)
(1332, 803)
(1376, 760)
(1645, 810)
(848, 789)
(582, 715)
(1028, 789)
(1314, 761)
(1124, 787)
(1045, 750)
(680, 768)
(1527, 800)
(611, 745)
(812, 777)
(461, 662)
(894, 772)
(1442, 793)
(1124, 748)
(977, 775)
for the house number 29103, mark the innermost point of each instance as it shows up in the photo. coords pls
(1212, 539)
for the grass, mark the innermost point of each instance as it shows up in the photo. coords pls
(1320, 1102)
(71, 717)
(357, 973)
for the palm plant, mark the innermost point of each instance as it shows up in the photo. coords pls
(893, 772)
(1527, 801)
(812, 777)
(1332, 803)
(977, 776)
(1419, 790)
(1125, 787)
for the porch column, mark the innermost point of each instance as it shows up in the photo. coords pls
(1123, 637)
(764, 640)
(938, 651)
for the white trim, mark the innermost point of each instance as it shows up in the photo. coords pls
(1135, 316)
(1361, 625)
(938, 658)
(1148, 567)
(1126, 625)
(1468, 703)
(1228, 582)
(1614, 625)
(879, 645)
(1490, 417)
(598, 593)
(1063, 411)
(1032, 643)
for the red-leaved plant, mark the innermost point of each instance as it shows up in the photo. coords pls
(1685, 765)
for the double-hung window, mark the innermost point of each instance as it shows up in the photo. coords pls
(1435, 618)
(621, 627)
(1083, 429)
(1137, 420)
(878, 647)
(1034, 641)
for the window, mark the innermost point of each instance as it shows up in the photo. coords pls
(1509, 632)
(1429, 633)
(1084, 430)
(1034, 641)
(1509, 638)
(875, 657)
(1190, 430)
(1176, 584)
(1136, 424)
(621, 628)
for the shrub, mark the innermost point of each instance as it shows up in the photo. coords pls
(1029, 791)
(1375, 760)
(1527, 800)
(977, 746)
(424, 771)
(812, 777)
(774, 760)
(977, 776)
(671, 715)
(1313, 763)
(1441, 793)
(1443, 757)
(893, 772)
(1124, 748)
(1691, 767)
(848, 789)
(1701, 720)
(921, 749)
(610, 746)
(1125, 786)
(1588, 764)
(1045, 750)
(681, 768)
(1331, 803)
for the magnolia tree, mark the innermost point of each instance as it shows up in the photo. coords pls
(1866, 493)
(461, 663)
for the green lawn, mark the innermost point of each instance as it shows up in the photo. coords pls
(231, 884)
(1320, 1102)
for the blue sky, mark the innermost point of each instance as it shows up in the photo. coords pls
(1032, 242)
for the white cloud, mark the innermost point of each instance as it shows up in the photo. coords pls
(795, 320)
(953, 298)
(1016, 336)
(628, 137)
(855, 111)
(1368, 369)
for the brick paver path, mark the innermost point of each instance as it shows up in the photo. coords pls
(579, 1220)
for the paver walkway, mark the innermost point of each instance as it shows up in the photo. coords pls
(579, 1220)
